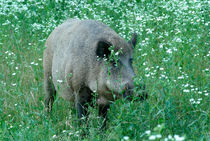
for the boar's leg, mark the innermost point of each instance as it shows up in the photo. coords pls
(82, 100)
(103, 109)
(49, 94)
(48, 84)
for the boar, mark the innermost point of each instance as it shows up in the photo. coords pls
(75, 65)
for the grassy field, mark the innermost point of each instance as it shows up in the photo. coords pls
(171, 57)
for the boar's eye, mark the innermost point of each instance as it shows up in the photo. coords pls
(116, 62)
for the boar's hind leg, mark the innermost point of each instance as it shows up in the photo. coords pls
(82, 100)
(48, 84)
(49, 94)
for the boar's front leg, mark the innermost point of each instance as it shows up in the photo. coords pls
(82, 100)
(103, 109)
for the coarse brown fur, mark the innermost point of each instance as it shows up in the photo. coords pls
(72, 67)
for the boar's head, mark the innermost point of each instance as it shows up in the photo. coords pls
(116, 76)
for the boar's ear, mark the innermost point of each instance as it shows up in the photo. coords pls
(133, 40)
(103, 49)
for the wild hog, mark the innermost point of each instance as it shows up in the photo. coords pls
(75, 65)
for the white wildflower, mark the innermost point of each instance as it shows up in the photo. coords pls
(191, 100)
(147, 75)
(148, 132)
(144, 54)
(59, 81)
(178, 138)
(117, 53)
(169, 51)
(147, 69)
(158, 136)
(181, 77)
(54, 136)
(186, 91)
(174, 48)
(14, 84)
(139, 18)
(126, 138)
(166, 139)
(178, 40)
(170, 137)
(149, 31)
(161, 68)
(153, 137)
(198, 102)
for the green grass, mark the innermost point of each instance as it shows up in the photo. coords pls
(171, 58)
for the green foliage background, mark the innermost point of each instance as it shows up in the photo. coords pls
(171, 58)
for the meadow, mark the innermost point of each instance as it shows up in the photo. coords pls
(171, 58)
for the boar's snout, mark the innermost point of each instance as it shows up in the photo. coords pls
(138, 92)
(128, 91)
